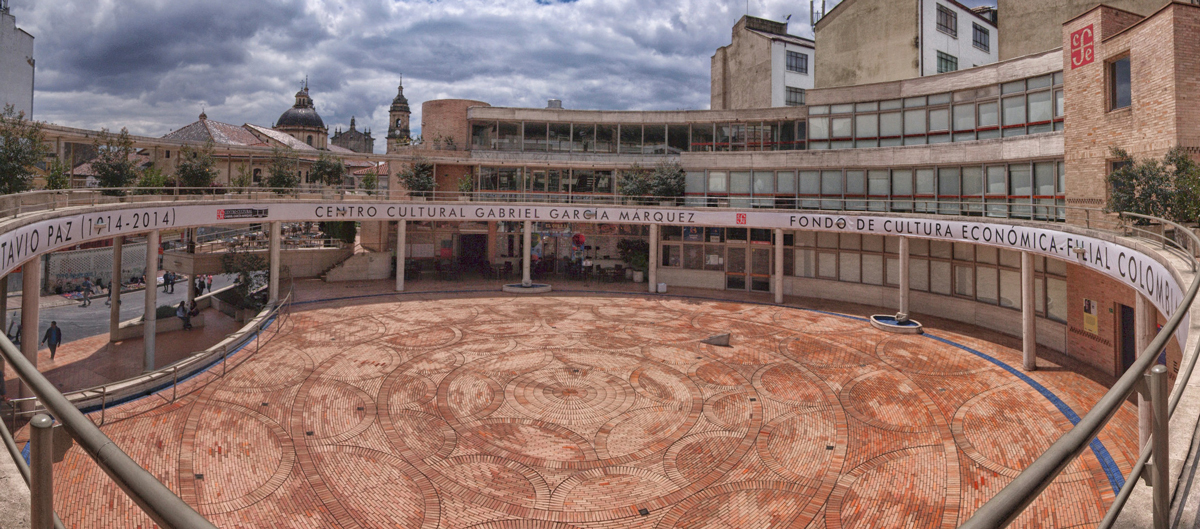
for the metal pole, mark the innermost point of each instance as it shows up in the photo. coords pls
(103, 398)
(41, 472)
(1161, 468)
(1145, 320)
(174, 383)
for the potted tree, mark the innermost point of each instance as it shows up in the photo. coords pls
(418, 178)
(636, 254)
(466, 185)
(667, 183)
(634, 184)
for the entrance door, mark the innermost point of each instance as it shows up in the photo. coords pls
(474, 251)
(735, 267)
(760, 269)
(1128, 338)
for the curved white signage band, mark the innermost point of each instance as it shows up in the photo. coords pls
(1129, 266)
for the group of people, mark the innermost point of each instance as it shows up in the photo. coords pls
(202, 283)
(185, 313)
(88, 288)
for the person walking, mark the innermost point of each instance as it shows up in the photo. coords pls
(14, 336)
(86, 289)
(52, 338)
(208, 283)
(198, 285)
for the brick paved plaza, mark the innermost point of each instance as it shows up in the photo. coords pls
(602, 411)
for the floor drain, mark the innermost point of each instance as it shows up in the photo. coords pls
(308, 433)
(264, 404)
(829, 447)
(643, 512)
(199, 476)
(752, 399)
(360, 408)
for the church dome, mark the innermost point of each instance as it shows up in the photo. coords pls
(302, 114)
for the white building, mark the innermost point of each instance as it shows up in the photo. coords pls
(763, 66)
(953, 37)
(16, 63)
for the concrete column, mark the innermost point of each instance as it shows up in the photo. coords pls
(1145, 326)
(902, 316)
(31, 282)
(779, 266)
(652, 274)
(528, 235)
(41, 472)
(401, 236)
(1028, 314)
(114, 311)
(273, 288)
(3, 326)
(149, 328)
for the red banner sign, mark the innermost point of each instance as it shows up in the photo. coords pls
(1082, 50)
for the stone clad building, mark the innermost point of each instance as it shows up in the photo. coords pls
(762, 66)
(16, 64)
(353, 139)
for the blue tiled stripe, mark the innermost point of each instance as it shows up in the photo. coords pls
(1115, 477)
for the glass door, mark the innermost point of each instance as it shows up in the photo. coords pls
(760, 269)
(735, 267)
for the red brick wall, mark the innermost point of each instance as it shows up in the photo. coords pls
(447, 118)
(1099, 351)
(446, 176)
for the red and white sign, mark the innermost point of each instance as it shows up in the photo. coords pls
(741, 218)
(1082, 50)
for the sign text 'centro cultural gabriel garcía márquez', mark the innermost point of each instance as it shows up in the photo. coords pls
(23, 240)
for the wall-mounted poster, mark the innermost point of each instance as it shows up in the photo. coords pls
(693, 234)
(1091, 322)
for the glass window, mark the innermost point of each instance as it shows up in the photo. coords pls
(872, 243)
(918, 274)
(677, 139)
(981, 37)
(795, 97)
(849, 267)
(939, 277)
(1058, 103)
(987, 284)
(1012, 87)
(890, 124)
(988, 116)
(946, 62)
(1056, 299)
(841, 128)
(995, 180)
(855, 185)
(560, 137)
(787, 182)
(947, 21)
(764, 183)
(842, 109)
(1019, 181)
(940, 249)
(914, 122)
(939, 119)
(972, 181)
(702, 137)
(631, 138)
(948, 184)
(810, 183)
(872, 269)
(869, 106)
(925, 185)
(877, 182)
(964, 280)
(797, 62)
(902, 183)
(806, 265)
(509, 137)
(535, 136)
(482, 135)
(827, 265)
(1011, 258)
(866, 126)
(831, 183)
(1043, 178)
(964, 251)
(739, 183)
(1014, 110)
(964, 116)
(671, 255)
(1041, 106)
(818, 128)
(1119, 75)
(714, 258)
(654, 139)
(1010, 289)
(693, 183)
(606, 139)
(716, 182)
(986, 254)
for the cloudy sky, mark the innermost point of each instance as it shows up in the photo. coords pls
(152, 65)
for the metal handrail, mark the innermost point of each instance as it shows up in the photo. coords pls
(1023, 490)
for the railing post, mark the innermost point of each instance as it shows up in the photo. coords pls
(103, 398)
(1161, 467)
(174, 383)
(41, 472)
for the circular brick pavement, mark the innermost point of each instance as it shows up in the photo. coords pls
(576, 412)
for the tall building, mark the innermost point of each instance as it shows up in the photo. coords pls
(1040, 23)
(875, 41)
(16, 63)
(763, 66)
(353, 139)
(398, 115)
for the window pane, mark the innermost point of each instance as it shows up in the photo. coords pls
(1044, 177)
(1014, 110)
(560, 137)
(855, 184)
(866, 126)
(827, 265)
(1119, 74)
(654, 139)
(1010, 289)
(995, 180)
(716, 182)
(890, 124)
(841, 127)
(806, 265)
(986, 285)
(510, 136)
(972, 181)
(985, 254)
(693, 183)
(939, 277)
(964, 280)
(914, 122)
(964, 116)
(702, 137)
(1056, 299)
(988, 116)
(939, 119)
(787, 182)
(948, 181)
(739, 183)
(810, 183)
(631, 138)
(1041, 106)
(872, 269)
(925, 184)
(849, 267)
(818, 128)
(677, 139)
(902, 182)
(693, 256)
(1020, 183)
(877, 182)
(606, 138)
(764, 182)
(831, 182)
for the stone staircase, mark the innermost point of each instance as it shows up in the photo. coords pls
(361, 266)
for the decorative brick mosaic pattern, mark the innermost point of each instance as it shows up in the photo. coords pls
(606, 411)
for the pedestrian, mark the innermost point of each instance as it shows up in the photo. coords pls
(167, 282)
(184, 315)
(198, 285)
(86, 289)
(208, 283)
(52, 338)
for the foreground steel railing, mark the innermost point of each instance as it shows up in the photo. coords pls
(154, 498)
(1011, 501)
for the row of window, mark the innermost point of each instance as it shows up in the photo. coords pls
(541, 136)
(947, 22)
(1026, 106)
(981, 273)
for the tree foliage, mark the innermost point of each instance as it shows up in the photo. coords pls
(667, 181)
(20, 150)
(418, 177)
(243, 178)
(635, 181)
(58, 175)
(114, 164)
(281, 175)
(328, 170)
(151, 182)
(370, 182)
(196, 168)
(345, 231)
(251, 271)
(1167, 188)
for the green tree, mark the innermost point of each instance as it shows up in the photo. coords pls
(251, 271)
(20, 150)
(328, 170)
(417, 177)
(243, 178)
(281, 175)
(58, 175)
(152, 181)
(196, 168)
(668, 180)
(635, 181)
(1167, 188)
(370, 182)
(114, 165)
(345, 231)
